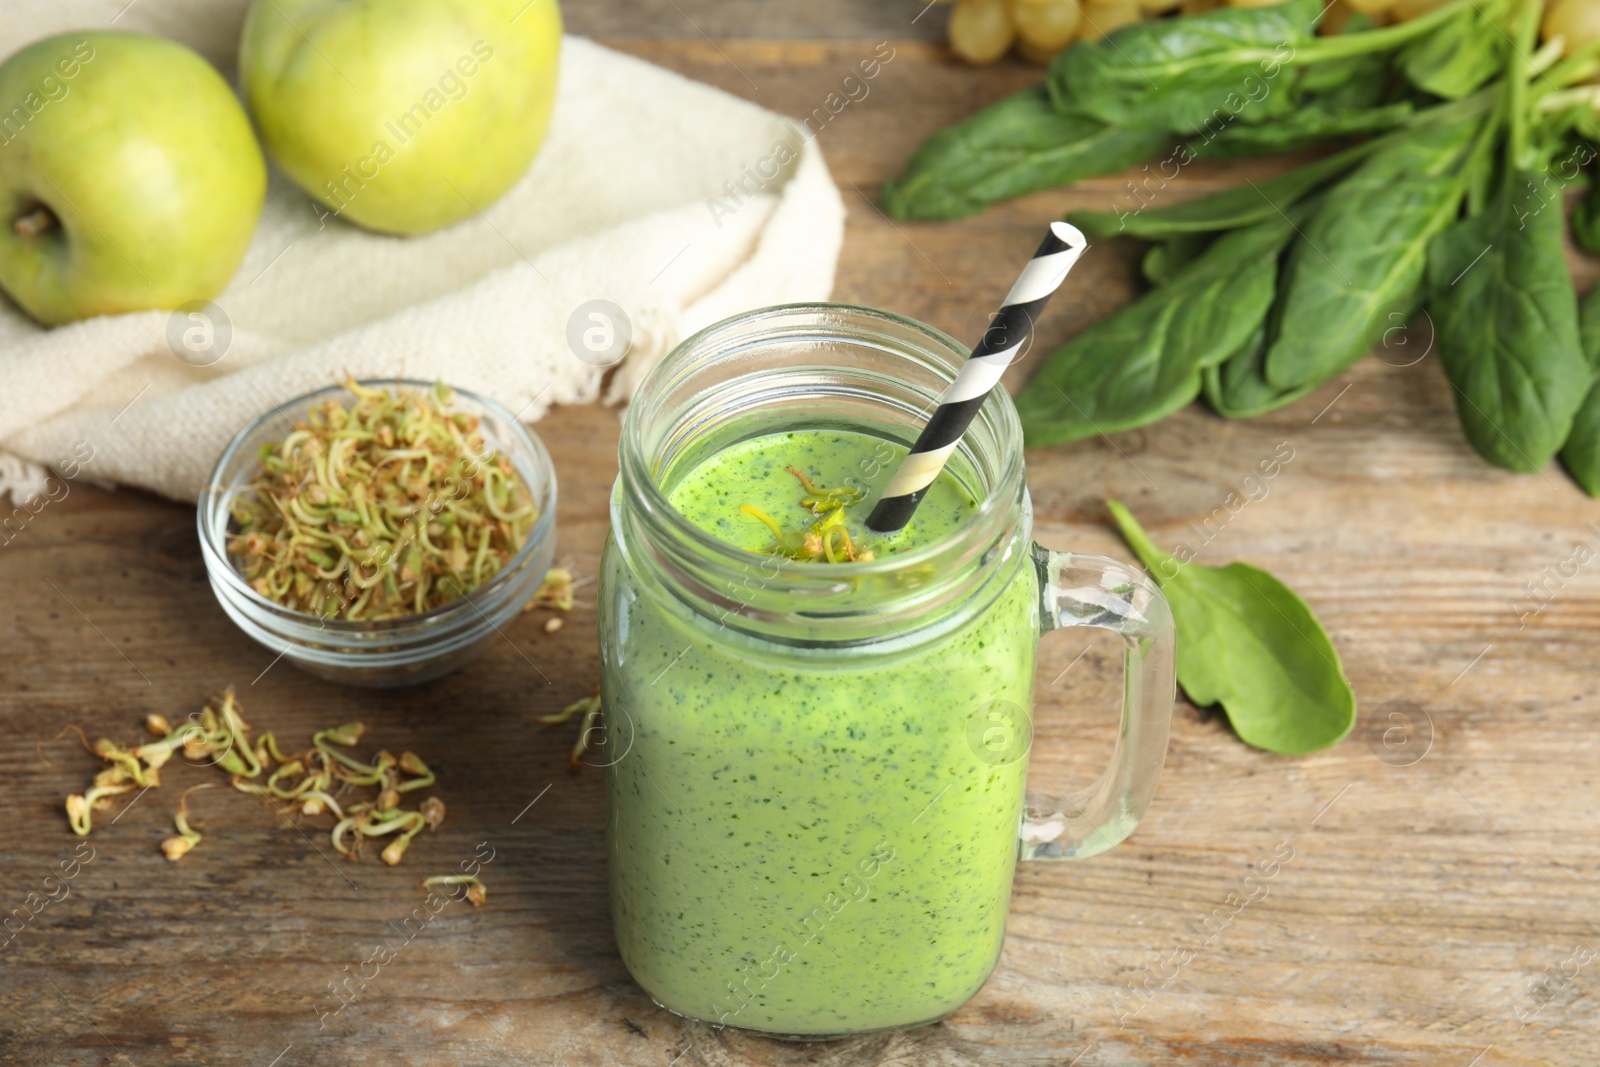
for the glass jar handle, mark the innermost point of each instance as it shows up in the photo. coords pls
(1105, 594)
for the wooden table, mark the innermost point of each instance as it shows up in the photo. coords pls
(1439, 899)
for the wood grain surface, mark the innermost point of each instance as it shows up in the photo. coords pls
(1439, 907)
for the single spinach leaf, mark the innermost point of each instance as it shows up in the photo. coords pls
(1581, 453)
(1165, 259)
(1248, 642)
(1461, 55)
(1227, 210)
(1506, 323)
(1362, 255)
(1180, 74)
(1309, 124)
(1019, 145)
(1143, 361)
(1238, 388)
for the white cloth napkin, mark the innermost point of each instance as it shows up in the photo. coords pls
(618, 206)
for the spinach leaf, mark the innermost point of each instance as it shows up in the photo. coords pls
(1309, 124)
(1016, 146)
(1248, 642)
(1238, 388)
(1581, 453)
(1506, 323)
(1226, 210)
(1586, 220)
(1182, 74)
(1144, 360)
(1460, 56)
(1165, 259)
(1362, 254)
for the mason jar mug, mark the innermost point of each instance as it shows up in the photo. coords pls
(816, 772)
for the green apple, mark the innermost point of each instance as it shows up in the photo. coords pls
(402, 115)
(129, 177)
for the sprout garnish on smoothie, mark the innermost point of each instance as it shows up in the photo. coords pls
(747, 496)
(827, 539)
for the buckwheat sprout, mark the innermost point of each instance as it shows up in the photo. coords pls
(177, 847)
(81, 807)
(314, 801)
(475, 895)
(412, 764)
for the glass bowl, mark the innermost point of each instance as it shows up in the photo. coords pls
(380, 653)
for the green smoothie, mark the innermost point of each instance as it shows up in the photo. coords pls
(806, 839)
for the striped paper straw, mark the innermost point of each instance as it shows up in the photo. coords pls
(1001, 342)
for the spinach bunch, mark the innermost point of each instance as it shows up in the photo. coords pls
(1447, 214)
(1262, 293)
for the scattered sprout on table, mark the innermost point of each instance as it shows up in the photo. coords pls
(589, 707)
(314, 782)
(476, 892)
